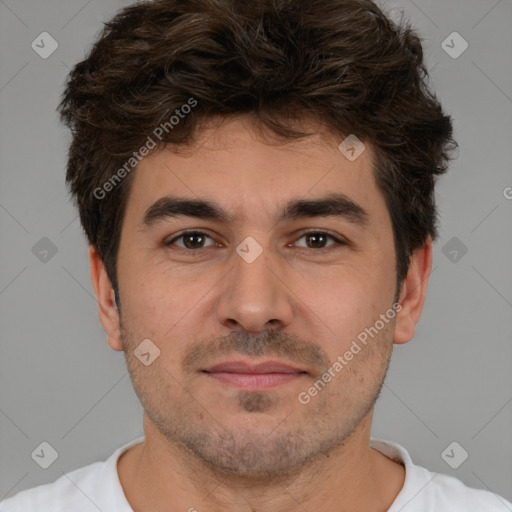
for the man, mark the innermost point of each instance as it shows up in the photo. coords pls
(256, 182)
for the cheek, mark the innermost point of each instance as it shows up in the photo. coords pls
(166, 305)
(149, 303)
(346, 301)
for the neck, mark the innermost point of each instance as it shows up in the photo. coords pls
(351, 477)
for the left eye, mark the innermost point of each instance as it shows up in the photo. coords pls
(319, 238)
(193, 240)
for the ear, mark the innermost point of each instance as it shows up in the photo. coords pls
(107, 307)
(413, 292)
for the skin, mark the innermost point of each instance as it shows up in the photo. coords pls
(211, 446)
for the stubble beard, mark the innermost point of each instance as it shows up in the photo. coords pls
(273, 452)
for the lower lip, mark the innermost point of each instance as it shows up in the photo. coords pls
(255, 381)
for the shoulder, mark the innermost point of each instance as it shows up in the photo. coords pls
(427, 491)
(69, 492)
(450, 493)
(87, 489)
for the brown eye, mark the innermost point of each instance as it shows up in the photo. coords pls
(192, 240)
(317, 240)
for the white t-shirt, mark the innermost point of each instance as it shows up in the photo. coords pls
(96, 487)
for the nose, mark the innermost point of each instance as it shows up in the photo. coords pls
(254, 296)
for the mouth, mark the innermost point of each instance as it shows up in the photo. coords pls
(254, 377)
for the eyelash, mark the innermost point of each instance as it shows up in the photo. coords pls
(338, 243)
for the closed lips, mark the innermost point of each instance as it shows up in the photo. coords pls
(244, 367)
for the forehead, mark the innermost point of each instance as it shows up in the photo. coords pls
(234, 165)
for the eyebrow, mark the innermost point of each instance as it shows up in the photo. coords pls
(333, 205)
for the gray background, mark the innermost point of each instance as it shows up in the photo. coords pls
(61, 383)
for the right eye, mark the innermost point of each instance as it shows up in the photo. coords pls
(192, 240)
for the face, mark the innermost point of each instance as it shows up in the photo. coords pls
(249, 311)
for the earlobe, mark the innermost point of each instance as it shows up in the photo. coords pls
(413, 293)
(105, 297)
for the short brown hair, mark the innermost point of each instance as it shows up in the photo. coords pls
(343, 62)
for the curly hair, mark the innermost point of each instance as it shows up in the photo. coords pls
(343, 62)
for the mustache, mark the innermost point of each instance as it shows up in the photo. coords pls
(307, 355)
